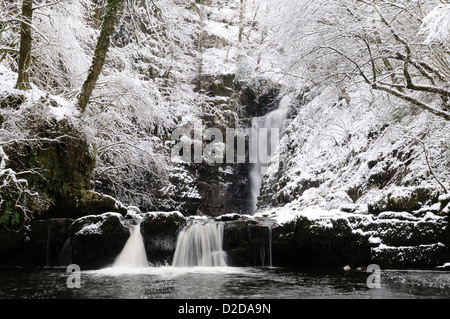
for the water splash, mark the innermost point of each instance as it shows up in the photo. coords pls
(200, 245)
(133, 254)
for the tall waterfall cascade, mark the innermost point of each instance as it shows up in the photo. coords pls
(266, 145)
(133, 254)
(200, 245)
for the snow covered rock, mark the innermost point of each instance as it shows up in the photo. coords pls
(400, 199)
(160, 231)
(98, 239)
(247, 242)
(422, 256)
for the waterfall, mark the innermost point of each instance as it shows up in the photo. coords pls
(270, 245)
(200, 245)
(65, 254)
(133, 254)
(48, 245)
(266, 145)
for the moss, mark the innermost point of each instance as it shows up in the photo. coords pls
(426, 256)
(408, 233)
(163, 224)
(99, 247)
(11, 101)
(408, 199)
(160, 232)
(305, 242)
(64, 162)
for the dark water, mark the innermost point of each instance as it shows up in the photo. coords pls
(221, 283)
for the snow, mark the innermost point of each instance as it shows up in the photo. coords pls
(134, 212)
(63, 109)
(283, 215)
(444, 266)
(147, 86)
(436, 25)
(91, 229)
(95, 228)
(398, 216)
(165, 214)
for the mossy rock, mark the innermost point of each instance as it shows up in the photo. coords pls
(11, 101)
(405, 199)
(84, 203)
(408, 233)
(160, 231)
(98, 240)
(221, 85)
(423, 256)
(94, 203)
(319, 243)
(247, 243)
(40, 246)
(64, 160)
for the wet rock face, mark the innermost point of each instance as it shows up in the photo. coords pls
(87, 203)
(390, 240)
(224, 190)
(159, 231)
(65, 161)
(247, 243)
(320, 243)
(98, 240)
(42, 247)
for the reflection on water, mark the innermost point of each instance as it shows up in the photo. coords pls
(221, 283)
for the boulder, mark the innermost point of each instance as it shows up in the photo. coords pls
(247, 242)
(160, 231)
(98, 239)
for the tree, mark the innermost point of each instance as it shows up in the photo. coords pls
(379, 42)
(103, 42)
(23, 79)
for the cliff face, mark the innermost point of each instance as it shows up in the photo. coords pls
(200, 65)
(361, 154)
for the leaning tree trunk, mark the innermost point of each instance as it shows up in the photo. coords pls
(112, 9)
(23, 80)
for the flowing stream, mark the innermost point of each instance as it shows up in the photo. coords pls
(200, 245)
(133, 254)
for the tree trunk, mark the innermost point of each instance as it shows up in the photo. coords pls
(23, 80)
(241, 21)
(112, 9)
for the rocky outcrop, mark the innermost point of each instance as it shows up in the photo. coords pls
(98, 240)
(159, 231)
(335, 239)
(247, 242)
(41, 246)
(65, 161)
(400, 199)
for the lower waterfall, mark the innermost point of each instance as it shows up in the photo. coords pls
(133, 254)
(200, 245)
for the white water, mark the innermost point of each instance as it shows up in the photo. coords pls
(200, 245)
(266, 146)
(133, 254)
